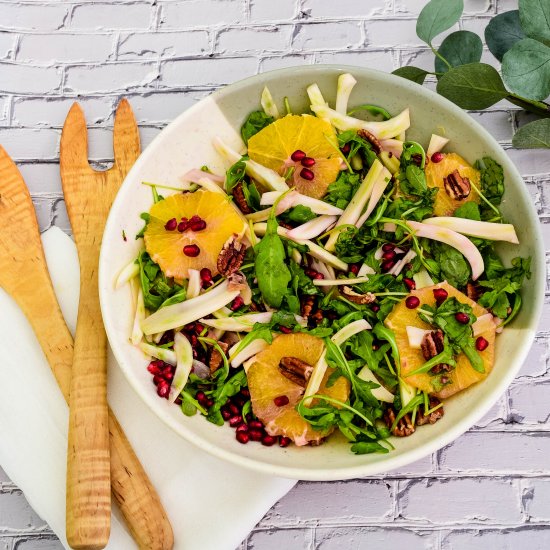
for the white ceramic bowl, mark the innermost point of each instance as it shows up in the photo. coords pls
(186, 144)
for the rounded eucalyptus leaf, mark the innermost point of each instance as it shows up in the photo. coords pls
(459, 48)
(438, 16)
(502, 32)
(535, 135)
(412, 73)
(535, 19)
(526, 69)
(472, 86)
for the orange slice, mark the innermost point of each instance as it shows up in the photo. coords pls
(463, 375)
(266, 383)
(436, 171)
(273, 146)
(166, 247)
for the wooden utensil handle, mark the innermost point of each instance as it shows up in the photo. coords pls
(88, 461)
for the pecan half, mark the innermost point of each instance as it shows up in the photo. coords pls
(432, 344)
(215, 359)
(473, 291)
(307, 303)
(240, 199)
(373, 140)
(357, 298)
(317, 317)
(231, 256)
(295, 370)
(433, 417)
(403, 428)
(457, 187)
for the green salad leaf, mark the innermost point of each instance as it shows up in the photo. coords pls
(256, 121)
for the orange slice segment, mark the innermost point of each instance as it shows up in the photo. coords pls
(463, 375)
(266, 383)
(166, 247)
(437, 171)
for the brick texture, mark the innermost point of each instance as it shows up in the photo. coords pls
(490, 489)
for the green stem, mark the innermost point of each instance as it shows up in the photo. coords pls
(538, 107)
(437, 54)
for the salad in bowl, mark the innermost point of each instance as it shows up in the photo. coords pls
(336, 277)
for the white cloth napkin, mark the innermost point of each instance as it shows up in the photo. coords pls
(211, 504)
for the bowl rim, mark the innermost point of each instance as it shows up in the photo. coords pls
(392, 461)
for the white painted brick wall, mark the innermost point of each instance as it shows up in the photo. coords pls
(490, 489)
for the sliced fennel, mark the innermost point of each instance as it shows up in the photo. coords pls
(346, 82)
(313, 228)
(268, 105)
(247, 352)
(337, 282)
(194, 284)
(315, 96)
(137, 333)
(415, 336)
(166, 355)
(365, 269)
(407, 392)
(390, 162)
(474, 228)
(436, 144)
(381, 393)
(184, 364)
(242, 323)
(422, 279)
(377, 192)
(294, 199)
(126, 274)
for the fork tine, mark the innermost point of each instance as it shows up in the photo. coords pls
(126, 142)
(74, 142)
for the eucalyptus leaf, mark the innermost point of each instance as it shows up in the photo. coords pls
(502, 32)
(438, 16)
(535, 19)
(412, 73)
(535, 135)
(526, 69)
(472, 86)
(459, 48)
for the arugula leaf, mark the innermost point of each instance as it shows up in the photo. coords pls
(299, 214)
(415, 182)
(453, 266)
(251, 195)
(491, 179)
(366, 447)
(526, 69)
(357, 145)
(459, 48)
(271, 270)
(145, 216)
(469, 211)
(502, 32)
(438, 16)
(256, 121)
(235, 174)
(534, 135)
(412, 73)
(342, 190)
(535, 19)
(222, 393)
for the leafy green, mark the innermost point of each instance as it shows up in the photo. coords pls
(374, 110)
(502, 32)
(366, 447)
(235, 174)
(251, 195)
(534, 135)
(299, 214)
(145, 216)
(342, 190)
(469, 211)
(459, 48)
(535, 19)
(438, 16)
(454, 267)
(271, 270)
(472, 86)
(412, 73)
(526, 69)
(358, 146)
(223, 391)
(256, 121)
(492, 179)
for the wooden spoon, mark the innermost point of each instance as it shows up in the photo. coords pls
(24, 275)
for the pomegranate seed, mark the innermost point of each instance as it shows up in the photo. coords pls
(191, 250)
(226, 415)
(462, 318)
(440, 295)
(346, 148)
(308, 162)
(313, 274)
(189, 328)
(375, 308)
(234, 409)
(269, 440)
(256, 424)
(237, 303)
(157, 379)
(154, 369)
(170, 225)
(182, 226)
(163, 390)
(390, 255)
(193, 340)
(201, 397)
(239, 400)
(437, 157)
(409, 283)
(199, 328)
(206, 275)
(298, 155)
(197, 225)
(386, 247)
(209, 403)
(234, 421)
(255, 435)
(178, 400)
(285, 330)
(408, 266)
(245, 392)
(284, 441)
(281, 401)
(242, 427)
(354, 268)
(242, 437)
(412, 302)
(307, 174)
(386, 265)
(481, 344)
(169, 376)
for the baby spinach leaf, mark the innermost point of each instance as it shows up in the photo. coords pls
(412, 73)
(256, 121)
(526, 69)
(438, 16)
(459, 48)
(502, 32)
(366, 447)
(534, 135)
(415, 182)
(472, 86)
(454, 268)
(270, 265)
(535, 19)
(299, 214)
(468, 210)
